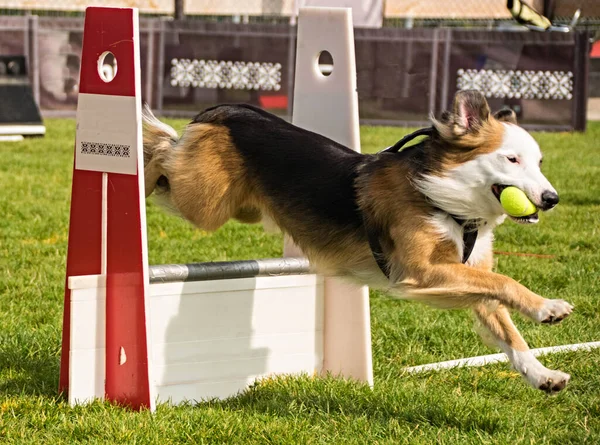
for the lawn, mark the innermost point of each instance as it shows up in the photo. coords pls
(469, 405)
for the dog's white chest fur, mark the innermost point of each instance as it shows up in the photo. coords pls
(449, 229)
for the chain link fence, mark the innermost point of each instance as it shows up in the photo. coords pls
(488, 14)
(408, 68)
(404, 75)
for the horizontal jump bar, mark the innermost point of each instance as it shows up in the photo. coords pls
(169, 273)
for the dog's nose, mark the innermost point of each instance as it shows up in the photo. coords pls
(549, 199)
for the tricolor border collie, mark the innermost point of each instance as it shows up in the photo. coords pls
(416, 222)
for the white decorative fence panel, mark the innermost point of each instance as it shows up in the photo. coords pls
(226, 74)
(518, 84)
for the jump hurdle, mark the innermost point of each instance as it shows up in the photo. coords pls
(139, 334)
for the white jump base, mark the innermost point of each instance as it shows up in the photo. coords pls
(210, 339)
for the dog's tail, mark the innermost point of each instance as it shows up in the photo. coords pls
(159, 140)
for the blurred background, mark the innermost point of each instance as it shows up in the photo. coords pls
(412, 56)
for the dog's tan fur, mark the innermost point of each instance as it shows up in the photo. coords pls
(227, 191)
(209, 183)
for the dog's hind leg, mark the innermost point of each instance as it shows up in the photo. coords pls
(152, 172)
(497, 323)
(159, 140)
(208, 179)
(249, 215)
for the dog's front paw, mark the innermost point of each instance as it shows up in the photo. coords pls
(549, 381)
(536, 374)
(553, 311)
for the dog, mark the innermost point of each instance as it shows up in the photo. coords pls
(416, 222)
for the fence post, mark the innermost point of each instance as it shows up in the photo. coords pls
(408, 60)
(433, 71)
(291, 66)
(446, 70)
(26, 45)
(160, 75)
(149, 78)
(581, 67)
(34, 56)
(31, 53)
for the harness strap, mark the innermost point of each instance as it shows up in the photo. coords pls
(469, 236)
(376, 249)
(428, 131)
(469, 227)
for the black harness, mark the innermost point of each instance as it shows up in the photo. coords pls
(429, 131)
(470, 230)
(469, 227)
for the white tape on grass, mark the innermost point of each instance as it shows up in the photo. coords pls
(483, 360)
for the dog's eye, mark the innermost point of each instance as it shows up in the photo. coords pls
(541, 160)
(513, 159)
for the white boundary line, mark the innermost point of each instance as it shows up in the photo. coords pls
(11, 138)
(22, 129)
(483, 360)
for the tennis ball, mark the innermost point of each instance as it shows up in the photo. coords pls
(516, 203)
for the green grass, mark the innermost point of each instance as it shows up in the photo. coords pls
(473, 405)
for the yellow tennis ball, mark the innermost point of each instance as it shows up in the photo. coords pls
(516, 203)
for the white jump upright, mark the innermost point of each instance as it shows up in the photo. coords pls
(136, 334)
(328, 104)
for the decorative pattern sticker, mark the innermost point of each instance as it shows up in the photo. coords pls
(98, 148)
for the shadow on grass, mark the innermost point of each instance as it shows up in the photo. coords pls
(288, 397)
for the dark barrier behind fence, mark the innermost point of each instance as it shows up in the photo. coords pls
(403, 75)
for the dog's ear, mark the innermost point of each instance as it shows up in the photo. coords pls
(506, 115)
(446, 117)
(470, 112)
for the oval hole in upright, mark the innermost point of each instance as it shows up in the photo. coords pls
(107, 66)
(325, 63)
